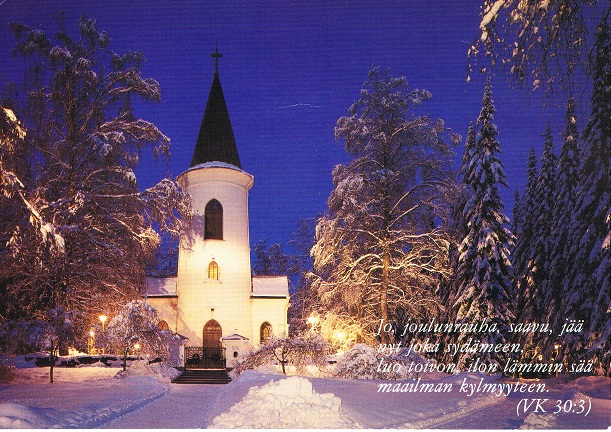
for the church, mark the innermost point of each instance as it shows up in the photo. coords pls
(214, 305)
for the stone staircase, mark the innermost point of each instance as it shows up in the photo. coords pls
(202, 376)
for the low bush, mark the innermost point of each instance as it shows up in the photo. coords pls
(7, 373)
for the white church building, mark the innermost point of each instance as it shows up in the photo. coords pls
(214, 304)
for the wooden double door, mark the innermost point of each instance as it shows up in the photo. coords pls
(212, 354)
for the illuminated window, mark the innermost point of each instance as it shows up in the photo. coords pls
(163, 325)
(213, 220)
(213, 270)
(266, 331)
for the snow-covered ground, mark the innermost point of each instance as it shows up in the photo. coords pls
(91, 396)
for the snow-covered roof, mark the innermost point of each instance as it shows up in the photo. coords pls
(234, 337)
(270, 286)
(214, 164)
(159, 286)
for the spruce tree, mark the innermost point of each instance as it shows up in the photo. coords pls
(566, 181)
(484, 262)
(588, 296)
(535, 283)
(516, 223)
(523, 248)
(458, 228)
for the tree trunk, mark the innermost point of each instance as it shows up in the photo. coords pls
(384, 293)
(125, 351)
(52, 361)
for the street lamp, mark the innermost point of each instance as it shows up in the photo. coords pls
(103, 319)
(312, 319)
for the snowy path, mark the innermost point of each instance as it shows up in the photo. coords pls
(90, 397)
(183, 407)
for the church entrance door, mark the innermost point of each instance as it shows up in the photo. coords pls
(212, 334)
(212, 354)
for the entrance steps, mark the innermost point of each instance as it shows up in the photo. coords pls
(202, 376)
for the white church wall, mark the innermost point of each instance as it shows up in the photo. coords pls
(200, 298)
(166, 308)
(271, 310)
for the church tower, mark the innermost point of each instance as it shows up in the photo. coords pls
(214, 306)
(214, 277)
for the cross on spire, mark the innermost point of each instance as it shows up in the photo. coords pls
(216, 56)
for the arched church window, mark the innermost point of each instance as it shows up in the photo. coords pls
(162, 325)
(266, 331)
(213, 223)
(213, 270)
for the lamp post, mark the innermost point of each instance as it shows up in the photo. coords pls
(90, 341)
(103, 319)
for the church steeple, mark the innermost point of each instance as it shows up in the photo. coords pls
(215, 141)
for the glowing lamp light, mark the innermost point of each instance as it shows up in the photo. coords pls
(340, 335)
(136, 346)
(312, 320)
(91, 333)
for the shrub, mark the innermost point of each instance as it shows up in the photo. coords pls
(7, 373)
(300, 351)
(362, 362)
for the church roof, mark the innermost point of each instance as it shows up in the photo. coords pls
(215, 142)
(160, 287)
(270, 286)
(234, 337)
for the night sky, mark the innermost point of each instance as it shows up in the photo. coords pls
(289, 70)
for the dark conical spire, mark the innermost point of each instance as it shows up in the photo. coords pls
(215, 142)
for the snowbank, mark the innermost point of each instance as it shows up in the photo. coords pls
(159, 371)
(81, 397)
(16, 416)
(287, 403)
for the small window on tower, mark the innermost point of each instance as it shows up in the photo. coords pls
(213, 270)
(213, 223)
(162, 325)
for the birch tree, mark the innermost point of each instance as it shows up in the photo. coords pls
(76, 231)
(380, 250)
(541, 43)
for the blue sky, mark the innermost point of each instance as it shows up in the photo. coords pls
(289, 70)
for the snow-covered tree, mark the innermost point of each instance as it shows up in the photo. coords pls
(299, 351)
(588, 296)
(303, 301)
(534, 284)
(271, 261)
(380, 249)
(76, 232)
(136, 323)
(166, 257)
(522, 251)
(564, 207)
(542, 43)
(484, 264)
(516, 223)
(458, 223)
